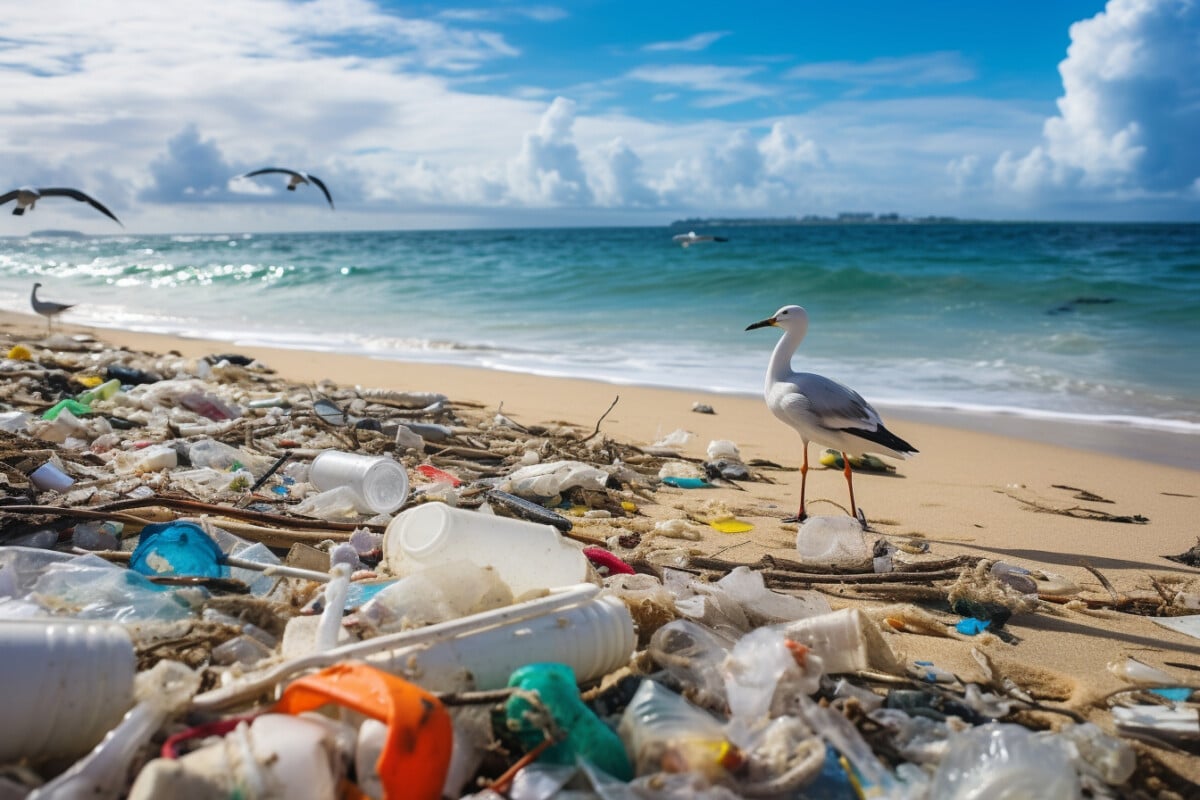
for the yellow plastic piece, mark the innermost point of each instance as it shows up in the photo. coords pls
(20, 352)
(628, 506)
(90, 381)
(730, 525)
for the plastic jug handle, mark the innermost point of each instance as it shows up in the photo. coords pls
(416, 754)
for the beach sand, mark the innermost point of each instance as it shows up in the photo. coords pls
(967, 492)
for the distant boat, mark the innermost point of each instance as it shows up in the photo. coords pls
(691, 237)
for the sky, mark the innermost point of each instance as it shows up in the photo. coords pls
(597, 112)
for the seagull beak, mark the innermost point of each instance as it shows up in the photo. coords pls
(761, 324)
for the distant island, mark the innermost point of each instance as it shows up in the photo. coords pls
(58, 232)
(845, 218)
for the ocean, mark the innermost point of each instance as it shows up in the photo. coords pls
(1096, 323)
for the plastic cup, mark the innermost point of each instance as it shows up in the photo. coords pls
(845, 640)
(380, 484)
(49, 478)
(526, 555)
(66, 684)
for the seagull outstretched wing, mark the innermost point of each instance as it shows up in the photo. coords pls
(302, 176)
(81, 197)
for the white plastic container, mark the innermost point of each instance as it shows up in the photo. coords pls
(834, 541)
(527, 556)
(65, 684)
(594, 638)
(49, 478)
(845, 640)
(380, 484)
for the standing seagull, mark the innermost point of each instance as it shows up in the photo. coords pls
(26, 197)
(296, 179)
(47, 308)
(820, 409)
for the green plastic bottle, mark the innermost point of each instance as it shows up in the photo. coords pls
(585, 734)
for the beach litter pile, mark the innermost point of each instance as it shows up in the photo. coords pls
(215, 583)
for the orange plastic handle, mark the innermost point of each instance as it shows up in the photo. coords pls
(416, 753)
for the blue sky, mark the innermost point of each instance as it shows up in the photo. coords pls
(422, 115)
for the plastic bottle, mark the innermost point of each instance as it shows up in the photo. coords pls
(527, 556)
(584, 733)
(66, 683)
(593, 637)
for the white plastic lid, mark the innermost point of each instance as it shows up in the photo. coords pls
(423, 530)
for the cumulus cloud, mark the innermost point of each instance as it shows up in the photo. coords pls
(548, 170)
(692, 44)
(1129, 117)
(616, 178)
(192, 170)
(744, 171)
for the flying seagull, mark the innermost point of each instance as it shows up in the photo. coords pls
(47, 308)
(26, 197)
(691, 237)
(296, 179)
(822, 410)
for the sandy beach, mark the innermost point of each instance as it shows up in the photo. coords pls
(967, 492)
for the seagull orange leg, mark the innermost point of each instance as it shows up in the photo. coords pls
(849, 482)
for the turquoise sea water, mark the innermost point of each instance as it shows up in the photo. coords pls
(1095, 322)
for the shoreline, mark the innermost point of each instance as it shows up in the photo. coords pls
(1162, 444)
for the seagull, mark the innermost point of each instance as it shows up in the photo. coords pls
(296, 179)
(47, 308)
(691, 237)
(26, 197)
(820, 409)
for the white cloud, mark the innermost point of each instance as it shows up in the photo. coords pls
(720, 85)
(548, 171)
(1129, 117)
(919, 70)
(692, 44)
(615, 176)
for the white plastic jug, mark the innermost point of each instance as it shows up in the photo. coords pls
(65, 685)
(527, 556)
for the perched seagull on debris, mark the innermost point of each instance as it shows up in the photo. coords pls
(296, 179)
(47, 308)
(27, 197)
(691, 237)
(822, 410)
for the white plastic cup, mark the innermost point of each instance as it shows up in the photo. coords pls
(380, 484)
(594, 638)
(49, 478)
(526, 555)
(845, 640)
(65, 684)
(834, 541)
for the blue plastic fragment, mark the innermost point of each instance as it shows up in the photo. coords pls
(1175, 695)
(686, 483)
(971, 626)
(177, 548)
